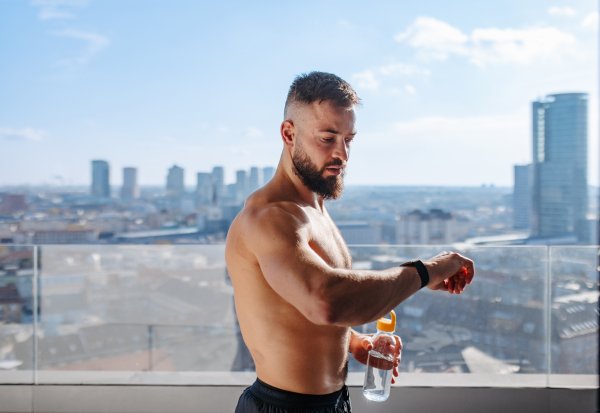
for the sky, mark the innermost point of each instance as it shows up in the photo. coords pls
(446, 87)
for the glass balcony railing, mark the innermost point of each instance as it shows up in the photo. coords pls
(99, 314)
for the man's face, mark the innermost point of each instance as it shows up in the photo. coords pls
(322, 147)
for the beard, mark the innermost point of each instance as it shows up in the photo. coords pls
(312, 177)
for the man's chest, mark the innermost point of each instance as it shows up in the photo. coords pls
(327, 241)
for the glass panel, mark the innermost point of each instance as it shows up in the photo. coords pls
(165, 314)
(574, 320)
(16, 314)
(496, 327)
(129, 310)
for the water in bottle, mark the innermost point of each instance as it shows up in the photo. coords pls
(380, 362)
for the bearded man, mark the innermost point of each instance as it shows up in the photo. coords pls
(296, 293)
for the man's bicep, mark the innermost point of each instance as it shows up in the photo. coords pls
(286, 260)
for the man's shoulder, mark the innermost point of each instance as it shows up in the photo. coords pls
(262, 212)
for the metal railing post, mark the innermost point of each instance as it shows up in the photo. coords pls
(35, 314)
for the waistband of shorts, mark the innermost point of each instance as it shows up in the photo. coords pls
(284, 398)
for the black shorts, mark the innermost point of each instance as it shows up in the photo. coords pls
(262, 398)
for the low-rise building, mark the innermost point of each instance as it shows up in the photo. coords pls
(432, 227)
(85, 236)
(359, 232)
(10, 203)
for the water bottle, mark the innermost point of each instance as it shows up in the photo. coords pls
(380, 362)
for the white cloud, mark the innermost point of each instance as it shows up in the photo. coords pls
(435, 39)
(29, 134)
(95, 43)
(436, 36)
(365, 80)
(590, 21)
(466, 149)
(223, 129)
(402, 69)
(562, 11)
(370, 79)
(516, 46)
(253, 133)
(472, 130)
(168, 139)
(55, 9)
(49, 14)
(410, 89)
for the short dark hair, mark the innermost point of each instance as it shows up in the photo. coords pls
(320, 86)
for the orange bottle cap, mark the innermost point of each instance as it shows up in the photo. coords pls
(387, 325)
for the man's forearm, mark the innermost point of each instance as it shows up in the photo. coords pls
(356, 297)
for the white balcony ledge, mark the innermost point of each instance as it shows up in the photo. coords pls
(222, 399)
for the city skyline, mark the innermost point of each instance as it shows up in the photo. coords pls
(440, 87)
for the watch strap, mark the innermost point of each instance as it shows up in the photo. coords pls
(421, 269)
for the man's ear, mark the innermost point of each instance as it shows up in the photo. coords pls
(288, 133)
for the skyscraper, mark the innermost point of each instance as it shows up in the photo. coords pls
(130, 189)
(255, 180)
(241, 186)
(522, 197)
(204, 188)
(175, 187)
(559, 192)
(268, 173)
(218, 182)
(100, 179)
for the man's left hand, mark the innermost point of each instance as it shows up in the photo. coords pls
(360, 345)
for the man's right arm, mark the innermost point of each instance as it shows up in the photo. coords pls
(280, 240)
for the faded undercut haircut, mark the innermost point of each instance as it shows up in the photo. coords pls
(318, 87)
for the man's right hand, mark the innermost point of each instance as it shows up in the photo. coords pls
(449, 271)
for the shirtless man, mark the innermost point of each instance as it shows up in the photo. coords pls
(296, 293)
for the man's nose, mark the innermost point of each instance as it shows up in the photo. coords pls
(341, 150)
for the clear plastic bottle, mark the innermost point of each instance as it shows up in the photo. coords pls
(380, 362)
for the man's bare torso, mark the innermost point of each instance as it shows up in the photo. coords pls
(289, 351)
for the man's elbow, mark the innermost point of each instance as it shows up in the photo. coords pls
(324, 306)
(324, 311)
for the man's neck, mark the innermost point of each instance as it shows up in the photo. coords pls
(293, 185)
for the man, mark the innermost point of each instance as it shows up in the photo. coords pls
(296, 293)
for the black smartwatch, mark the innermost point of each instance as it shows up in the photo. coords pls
(421, 269)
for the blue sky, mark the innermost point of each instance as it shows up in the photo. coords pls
(446, 86)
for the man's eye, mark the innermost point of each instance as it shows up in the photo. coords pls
(328, 139)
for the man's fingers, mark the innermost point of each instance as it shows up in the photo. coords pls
(451, 285)
(444, 286)
(470, 273)
(398, 344)
(366, 343)
(468, 268)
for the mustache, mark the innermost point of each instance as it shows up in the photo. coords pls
(336, 162)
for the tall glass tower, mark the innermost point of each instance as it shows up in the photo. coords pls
(218, 182)
(255, 179)
(175, 186)
(130, 189)
(522, 197)
(268, 173)
(559, 193)
(100, 179)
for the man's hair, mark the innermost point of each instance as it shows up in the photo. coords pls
(318, 87)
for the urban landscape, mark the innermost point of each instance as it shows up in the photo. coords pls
(138, 289)
(134, 134)
(550, 202)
